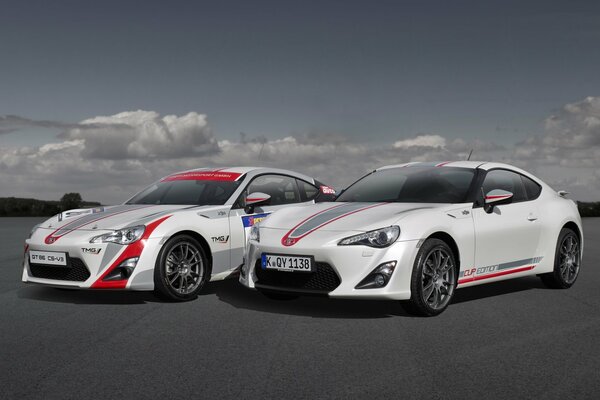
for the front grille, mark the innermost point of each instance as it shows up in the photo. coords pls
(76, 271)
(323, 280)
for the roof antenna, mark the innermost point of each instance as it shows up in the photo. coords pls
(471, 152)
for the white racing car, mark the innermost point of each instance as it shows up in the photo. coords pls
(417, 232)
(172, 237)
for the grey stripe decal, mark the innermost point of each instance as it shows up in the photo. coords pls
(92, 217)
(111, 251)
(503, 266)
(326, 216)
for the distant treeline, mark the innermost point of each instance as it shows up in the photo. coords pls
(18, 207)
(589, 209)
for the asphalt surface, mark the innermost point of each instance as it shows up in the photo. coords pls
(514, 339)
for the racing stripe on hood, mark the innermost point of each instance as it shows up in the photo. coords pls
(88, 219)
(323, 218)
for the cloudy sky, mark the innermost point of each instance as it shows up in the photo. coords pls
(104, 97)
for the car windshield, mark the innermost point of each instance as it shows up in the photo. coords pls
(412, 185)
(189, 192)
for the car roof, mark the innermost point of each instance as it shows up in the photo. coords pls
(485, 165)
(252, 171)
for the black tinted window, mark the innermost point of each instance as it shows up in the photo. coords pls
(308, 191)
(412, 184)
(282, 189)
(505, 180)
(531, 188)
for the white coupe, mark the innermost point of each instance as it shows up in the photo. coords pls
(417, 232)
(172, 237)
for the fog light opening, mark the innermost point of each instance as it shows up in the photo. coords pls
(123, 271)
(379, 277)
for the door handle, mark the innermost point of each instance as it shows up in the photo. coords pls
(532, 217)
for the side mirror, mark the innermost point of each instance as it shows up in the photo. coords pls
(255, 199)
(496, 197)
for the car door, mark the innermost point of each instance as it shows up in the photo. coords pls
(284, 191)
(507, 238)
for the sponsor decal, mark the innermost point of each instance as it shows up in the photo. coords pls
(220, 239)
(91, 250)
(327, 190)
(216, 175)
(492, 271)
(465, 212)
(251, 220)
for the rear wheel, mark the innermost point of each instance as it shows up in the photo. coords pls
(567, 260)
(181, 269)
(433, 279)
(279, 295)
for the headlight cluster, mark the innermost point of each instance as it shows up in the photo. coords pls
(378, 238)
(255, 233)
(122, 236)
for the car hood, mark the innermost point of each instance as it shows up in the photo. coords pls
(343, 216)
(112, 217)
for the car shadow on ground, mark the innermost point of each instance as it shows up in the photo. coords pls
(231, 292)
(322, 307)
(75, 296)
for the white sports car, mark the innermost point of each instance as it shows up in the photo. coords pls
(172, 237)
(417, 232)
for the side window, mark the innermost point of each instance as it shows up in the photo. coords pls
(532, 189)
(282, 189)
(308, 191)
(505, 180)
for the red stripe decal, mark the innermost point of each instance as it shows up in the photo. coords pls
(497, 196)
(255, 199)
(215, 175)
(133, 250)
(495, 274)
(443, 163)
(287, 241)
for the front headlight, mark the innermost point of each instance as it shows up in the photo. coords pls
(378, 238)
(122, 236)
(255, 233)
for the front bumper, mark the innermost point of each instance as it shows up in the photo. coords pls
(351, 264)
(86, 268)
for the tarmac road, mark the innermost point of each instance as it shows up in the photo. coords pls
(514, 339)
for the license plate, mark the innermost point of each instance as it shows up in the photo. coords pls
(289, 263)
(48, 258)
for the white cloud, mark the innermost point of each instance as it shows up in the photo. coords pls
(144, 135)
(108, 158)
(435, 141)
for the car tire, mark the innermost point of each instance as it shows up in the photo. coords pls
(182, 269)
(433, 280)
(278, 295)
(567, 261)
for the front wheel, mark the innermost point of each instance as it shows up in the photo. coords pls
(181, 269)
(433, 279)
(567, 260)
